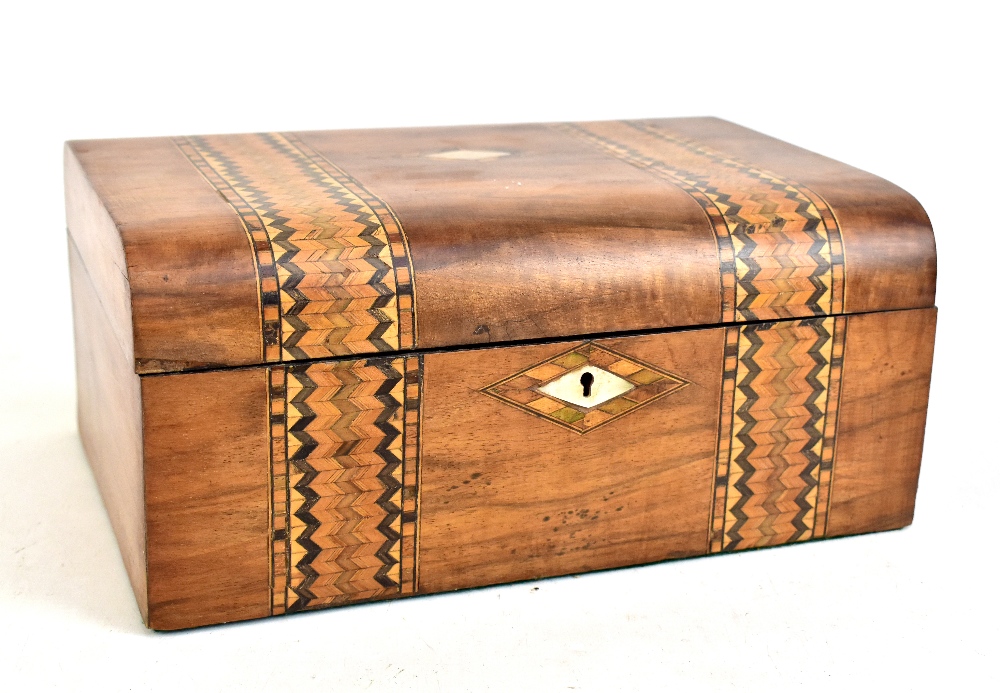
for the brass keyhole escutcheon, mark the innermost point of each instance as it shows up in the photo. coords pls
(587, 380)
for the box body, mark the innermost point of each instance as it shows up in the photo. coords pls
(323, 368)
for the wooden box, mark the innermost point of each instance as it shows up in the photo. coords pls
(329, 367)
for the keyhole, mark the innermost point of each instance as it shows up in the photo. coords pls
(587, 379)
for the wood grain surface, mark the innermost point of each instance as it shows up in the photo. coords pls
(205, 442)
(109, 414)
(889, 245)
(98, 247)
(506, 495)
(406, 475)
(384, 240)
(884, 407)
(193, 293)
(324, 368)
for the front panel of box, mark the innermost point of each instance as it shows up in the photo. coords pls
(335, 482)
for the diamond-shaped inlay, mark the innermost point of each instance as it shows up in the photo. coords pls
(559, 390)
(468, 154)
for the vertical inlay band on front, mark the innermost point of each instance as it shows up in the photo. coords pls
(345, 506)
(777, 432)
(332, 260)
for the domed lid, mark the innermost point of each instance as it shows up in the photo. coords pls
(244, 249)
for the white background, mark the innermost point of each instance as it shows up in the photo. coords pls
(902, 90)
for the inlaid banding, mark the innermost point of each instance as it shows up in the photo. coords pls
(345, 506)
(332, 259)
(777, 433)
(779, 245)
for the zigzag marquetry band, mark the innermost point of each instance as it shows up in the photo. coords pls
(780, 250)
(332, 261)
(778, 423)
(345, 481)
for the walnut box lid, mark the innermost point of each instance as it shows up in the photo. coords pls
(245, 249)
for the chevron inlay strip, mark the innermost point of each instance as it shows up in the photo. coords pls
(279, 489)
(352, 434)
(777, 433)
(332, 260)
(730, 359)
(780, 250)
(830, 429)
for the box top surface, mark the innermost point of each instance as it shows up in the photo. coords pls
(245, 249)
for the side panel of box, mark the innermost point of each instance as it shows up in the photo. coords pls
(887, 374)
(207, 505)
(110, 420)
(99, 247)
